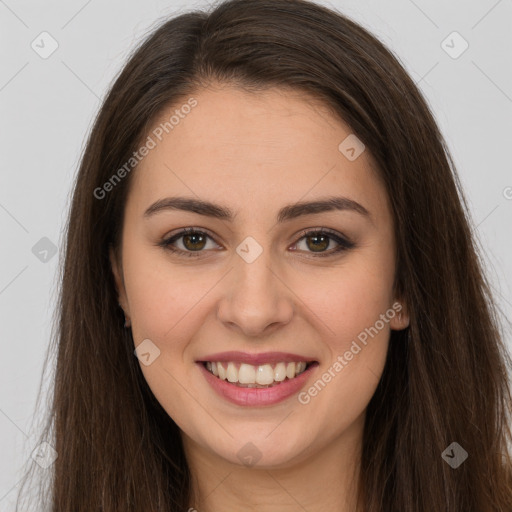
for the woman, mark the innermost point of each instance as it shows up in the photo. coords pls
(271, 298)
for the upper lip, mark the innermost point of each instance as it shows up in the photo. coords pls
(255, 359)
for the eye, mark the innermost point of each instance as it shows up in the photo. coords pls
(317, 241)
(194, 241)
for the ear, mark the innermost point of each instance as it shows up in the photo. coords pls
(118, 277)
(401, 319)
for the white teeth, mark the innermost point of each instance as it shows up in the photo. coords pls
(247, 374)
(290, 370)
(280, 372)
(265, 374)
(254, 376)
(222, 371)
(232, 373)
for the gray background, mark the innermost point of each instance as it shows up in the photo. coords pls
(47, 108)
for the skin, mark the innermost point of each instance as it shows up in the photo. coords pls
(256, 153)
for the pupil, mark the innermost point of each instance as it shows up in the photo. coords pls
(193, 236)
(323, 245)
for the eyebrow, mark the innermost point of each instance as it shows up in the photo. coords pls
(289, 212)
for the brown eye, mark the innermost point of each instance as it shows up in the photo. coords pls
(194, 241)
(317, 242)
(320, 240)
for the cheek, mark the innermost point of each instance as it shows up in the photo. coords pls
(163, 297)
(347, 300)
(354, 305)
(166, 306)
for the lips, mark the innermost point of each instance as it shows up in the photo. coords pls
(257, 388)
(255, 359)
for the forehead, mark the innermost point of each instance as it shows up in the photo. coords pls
(234, 147)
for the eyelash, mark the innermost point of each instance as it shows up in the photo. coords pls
(344, 243)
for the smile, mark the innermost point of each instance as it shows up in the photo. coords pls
(257, 380)
(251, 376)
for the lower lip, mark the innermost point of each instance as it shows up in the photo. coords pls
(258, 396)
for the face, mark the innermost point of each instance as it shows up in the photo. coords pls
(258, 282)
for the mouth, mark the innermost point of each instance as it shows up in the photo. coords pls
(257, 380)
(268, 375)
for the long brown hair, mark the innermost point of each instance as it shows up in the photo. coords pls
(445, 379)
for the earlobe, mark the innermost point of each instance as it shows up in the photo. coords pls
(115, 269)
(400, 320)
(121, 292)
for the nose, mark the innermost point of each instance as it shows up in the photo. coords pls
(255, 301)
